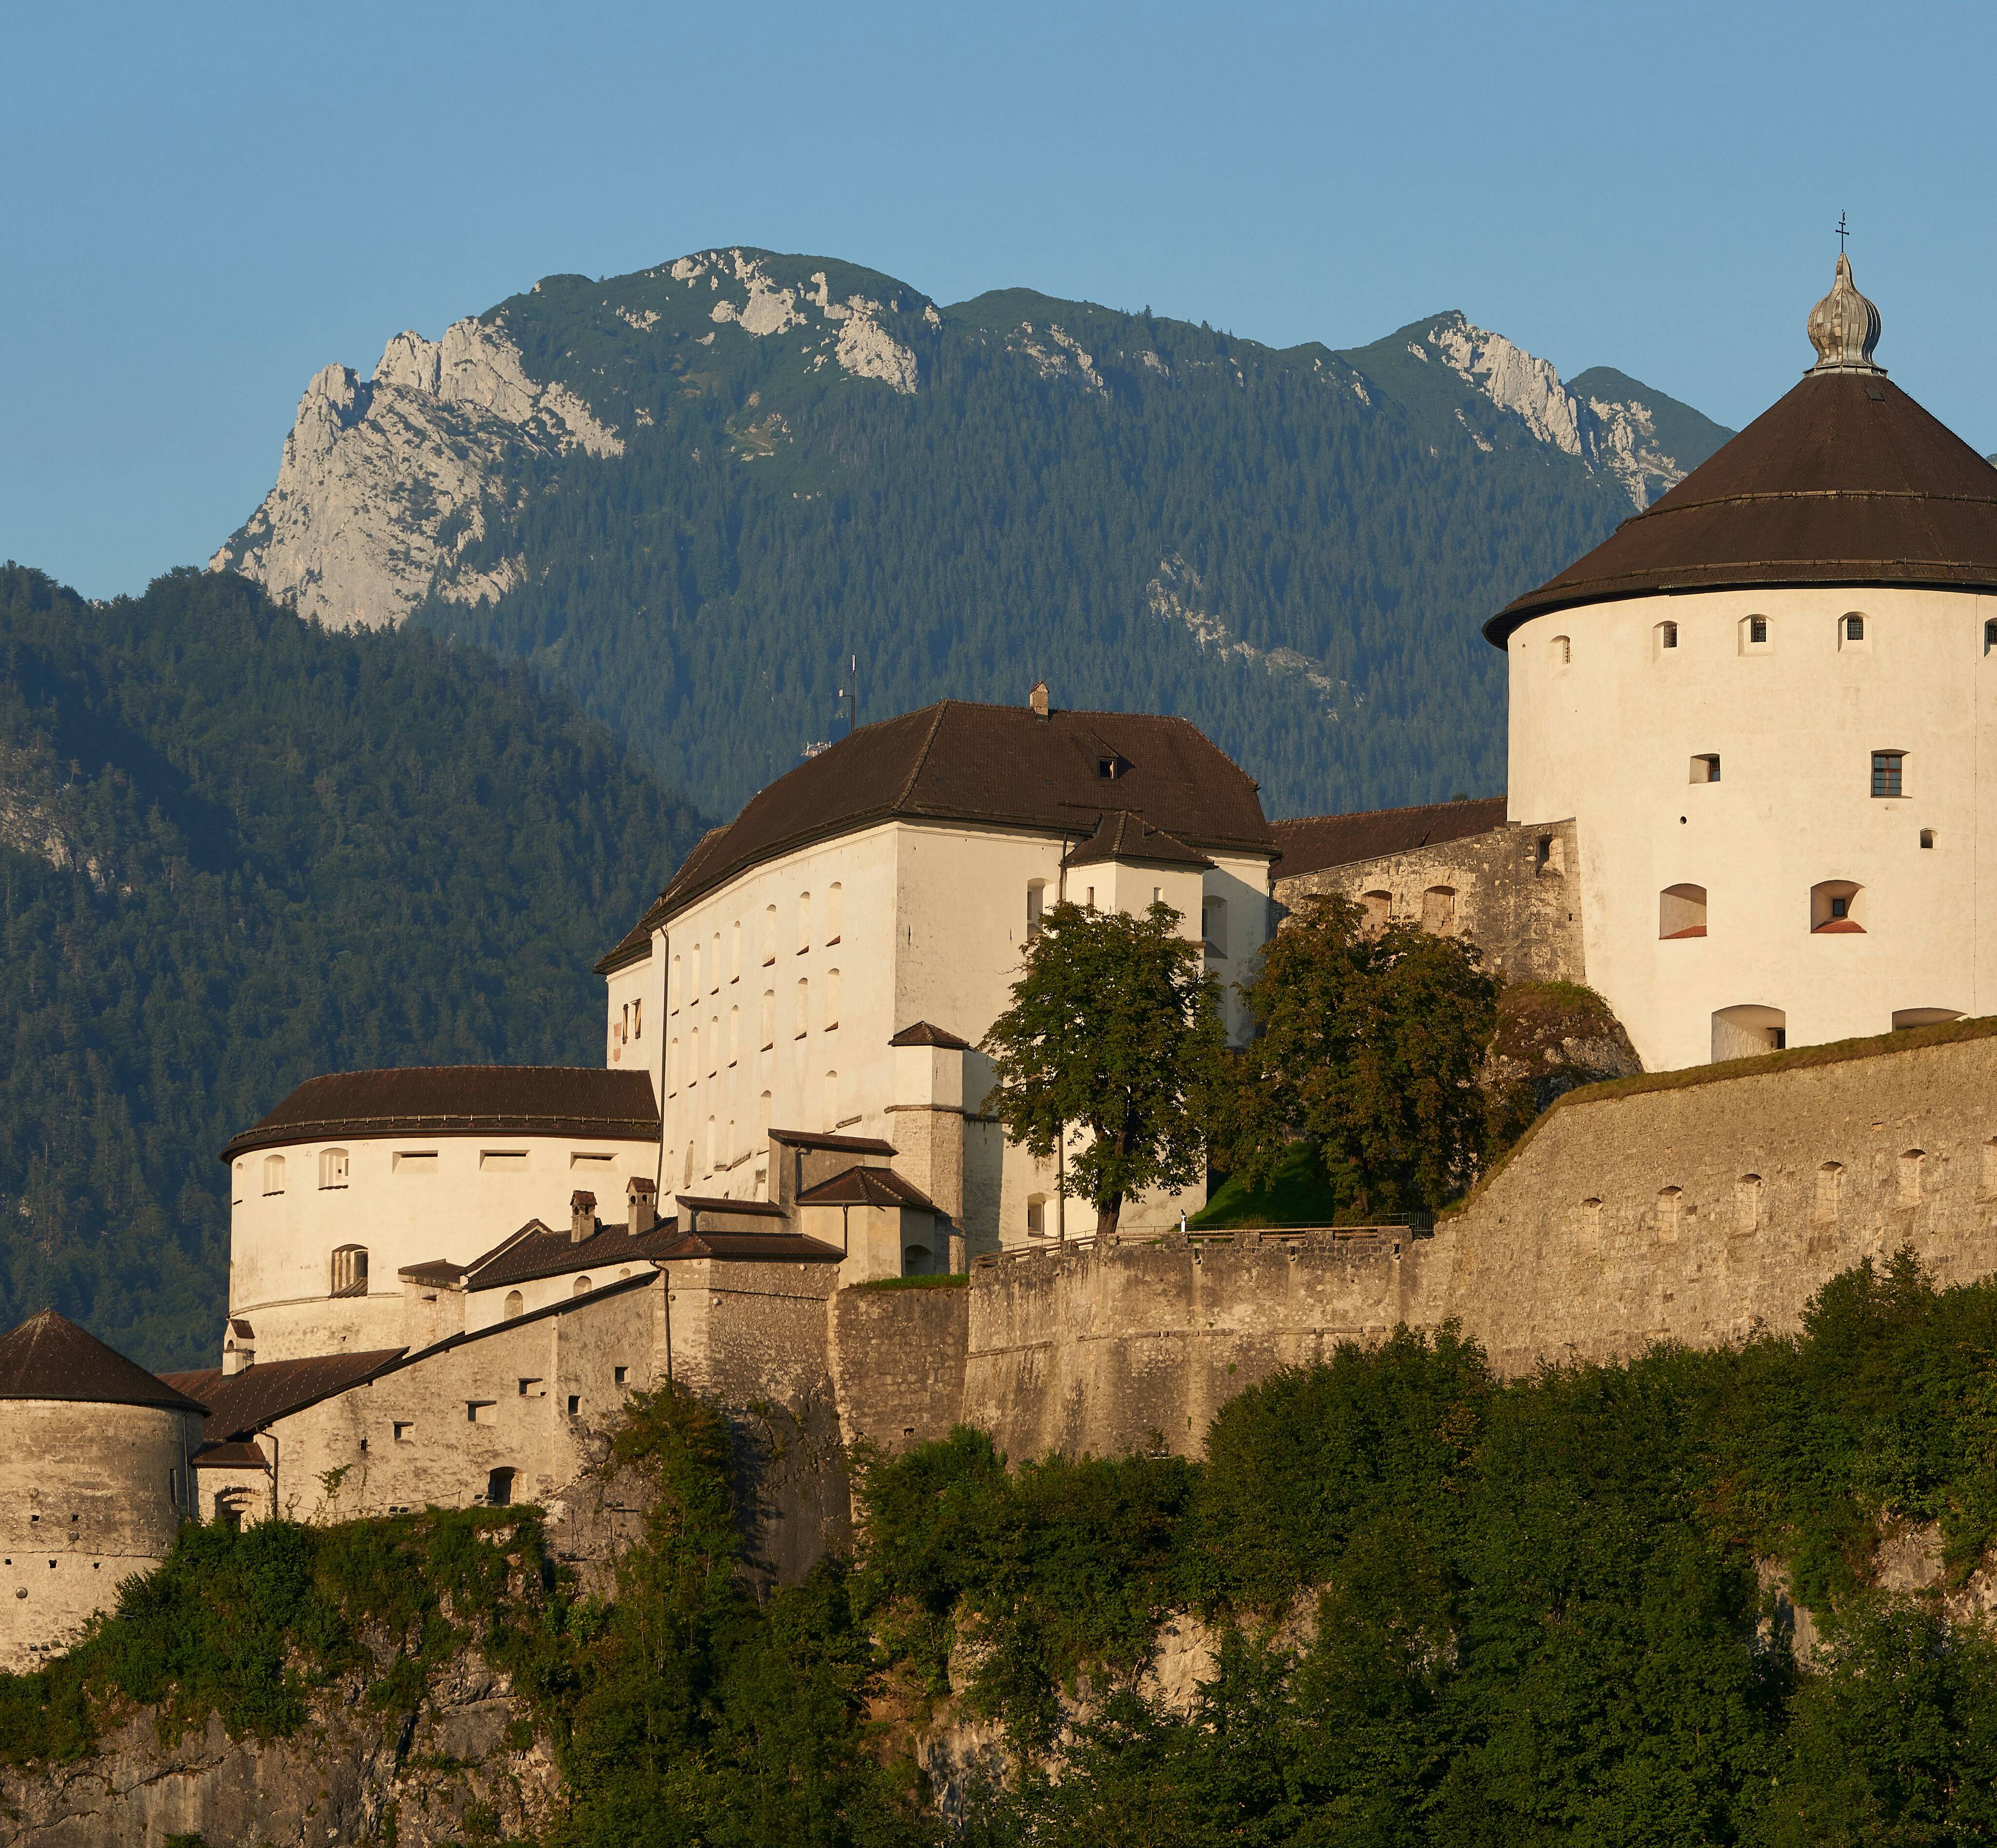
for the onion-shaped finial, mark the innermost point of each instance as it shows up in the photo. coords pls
(1844, 326)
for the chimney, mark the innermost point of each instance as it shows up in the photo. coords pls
(581, 1216)
(1037, 699)
(642, 1197)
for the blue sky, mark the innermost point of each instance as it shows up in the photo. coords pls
(203, 205)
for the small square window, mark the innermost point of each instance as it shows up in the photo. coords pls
(406, 1431)
(574, 1404)
(1927, 837)
(618, 1374)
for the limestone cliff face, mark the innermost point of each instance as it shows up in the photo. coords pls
(384, 483)
(446, 1774)
(1615, 436)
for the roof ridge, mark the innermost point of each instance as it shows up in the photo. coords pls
(922, 756)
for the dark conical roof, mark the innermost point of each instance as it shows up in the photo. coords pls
(1845, 481)
(49, 1357)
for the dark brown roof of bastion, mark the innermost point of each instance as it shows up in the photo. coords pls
(1847, 481)
(998, 766)
(460, 1099)
(49, 1357)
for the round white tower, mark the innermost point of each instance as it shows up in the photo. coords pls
(1768, 703)
(98, 1479)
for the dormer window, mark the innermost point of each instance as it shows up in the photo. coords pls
(1109, 769)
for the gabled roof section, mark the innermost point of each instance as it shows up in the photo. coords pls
(923, 1033)
(1845, 480)
(690, 1204)
(996, 766)
(49, 1357)
(461, 1100)
(753, 1248)
(1316, 842)
(637, 947)
(867, 1187)
(239, 1404)
(811, 1138)
(537, 1250)
(1119, 835)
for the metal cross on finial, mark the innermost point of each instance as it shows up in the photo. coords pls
(1842, 234)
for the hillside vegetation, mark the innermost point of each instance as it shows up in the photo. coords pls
(237, 850)
(1533, 1611)
(814, 462)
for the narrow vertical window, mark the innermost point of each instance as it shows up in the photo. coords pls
(1213, 925)
(833, 905)
(637, 1020)
(1669, 1200)
(1036, 893)
(831, 999)
(769, 934)
(714, 969)
(769, 1018)
(734, 1034)
(274, 1174)
(803, 1025)
(1911, 1164)
(1828, 1178)
(735, 950)
(804, 923)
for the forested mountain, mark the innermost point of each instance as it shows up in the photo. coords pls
(238, 849)
(692, 495)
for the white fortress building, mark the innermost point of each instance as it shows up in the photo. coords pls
(1753, 739)
(1748, 744)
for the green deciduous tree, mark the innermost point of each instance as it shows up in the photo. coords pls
(1369, 1054)
(1114, 1028)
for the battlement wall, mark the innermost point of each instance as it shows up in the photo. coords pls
(1692, 1207)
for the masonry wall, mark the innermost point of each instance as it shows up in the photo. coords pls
(432, 1431)
(89, 1495)
(1692, 1212)
(1516, 894)
(897, 1363)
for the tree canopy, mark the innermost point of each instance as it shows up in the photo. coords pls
(237, 850)
(1368, 1053)
(1114, 1030)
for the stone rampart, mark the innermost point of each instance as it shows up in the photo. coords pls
(1692, 1207)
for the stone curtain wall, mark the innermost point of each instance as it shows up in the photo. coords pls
(1659, 1209)
(1690, 1211)
(1523, 914)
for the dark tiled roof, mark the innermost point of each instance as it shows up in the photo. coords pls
(716, 1203)
(1846, 479)
(752, 1248)
(1318, 841)
(923, 1033)
(1119, 835)
(999, 765)
(867, 1187)
(850, 1145)
(231, 1456)
(637, 947)
(461, 1100)
(49, 1357)
(536, 1251)
(239, 1403)
(432, 1270)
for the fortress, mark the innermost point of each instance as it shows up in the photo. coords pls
(1745, 801)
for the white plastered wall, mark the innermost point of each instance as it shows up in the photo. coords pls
(932, 923)
(1605, 729)
(471, 1193)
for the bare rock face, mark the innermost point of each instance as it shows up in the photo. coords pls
(1615, 437)
(385, 483)
(351, 1773)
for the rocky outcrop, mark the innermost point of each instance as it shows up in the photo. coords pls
(1618, 438)
(40, 815)
(385, 483)
(448, 1773)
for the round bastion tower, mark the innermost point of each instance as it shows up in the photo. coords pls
(1769, 702)
(97, 1481)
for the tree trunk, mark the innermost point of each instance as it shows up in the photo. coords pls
(1106, 1218)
